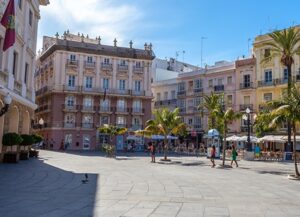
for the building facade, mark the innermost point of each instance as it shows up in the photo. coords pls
(17, 67)
(82, 84)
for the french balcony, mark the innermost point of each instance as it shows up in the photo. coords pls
(266, 83)
(281, 81)
(246, 85)
(181, 93)
(198, 91)
(243, 107)
(138, 110)
(219, 88)
(138, 93)
(121, 109)
(90, 65)
(105, 109)
(71, 88)
(138, 69)
(88, 108)
(70, 108)
(72, 63)
(122, 92)
(87, 125)
(122, 68)
(69, 125)
(169, 102)
(106, 66)
(90, 89)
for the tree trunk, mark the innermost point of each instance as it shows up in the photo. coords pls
(165, 147)
(294, 151)
(289, 124)
(224, 143)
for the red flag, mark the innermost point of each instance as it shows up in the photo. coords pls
(8, 21)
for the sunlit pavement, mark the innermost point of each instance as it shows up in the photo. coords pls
(132, 186)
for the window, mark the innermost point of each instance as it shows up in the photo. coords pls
(137, 85)
(247, 80)
(71, 81)
(197, 120)
(20, 4)
(121, 84)
(267, 52)
(268, 76)
(138, 65)
(173, 94)
(89, 59)
(158, 97)
(210, 83)
(120, 120)
(88, 82)
(87, 102)
(229, 99)
(105, 83)
(30, 17)
(87, 119)
(165, 95)
(246, 100)
(26, 73)
(104, 120)
(123, 62)
(72, 57)
(70, 101)
(69, 118)
(137, 106)
(181, 86)
(229, 80)
(198, 84)
(190, 121)
(220, 81)
(285, 74)
(198, 101)
(106, 61)
(15, 63)
(136, 121)
(121, 103)
(181, 103)
(268, 97)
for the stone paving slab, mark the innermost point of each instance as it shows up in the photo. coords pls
(133, 187)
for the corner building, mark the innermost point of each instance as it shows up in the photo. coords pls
(74, 74)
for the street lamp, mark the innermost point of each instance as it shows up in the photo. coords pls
(246, 117)
(7, 102)
(41, 122)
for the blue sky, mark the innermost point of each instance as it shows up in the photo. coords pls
(172, 25)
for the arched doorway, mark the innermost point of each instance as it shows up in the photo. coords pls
(1, 127)
(26, 123)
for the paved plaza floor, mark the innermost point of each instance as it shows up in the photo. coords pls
(52, 186)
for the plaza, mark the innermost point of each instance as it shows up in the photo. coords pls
(51, 185)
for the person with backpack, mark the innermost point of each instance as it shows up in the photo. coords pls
(234, 154)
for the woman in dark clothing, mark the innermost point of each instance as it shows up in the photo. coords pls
(213, 155)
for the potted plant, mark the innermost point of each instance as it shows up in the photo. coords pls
(9, 140)
(28, 140)
(37, 139)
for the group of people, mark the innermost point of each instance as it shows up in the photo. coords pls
(234, 155)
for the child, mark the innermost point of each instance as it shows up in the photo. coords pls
(234, 155)
(213, 156)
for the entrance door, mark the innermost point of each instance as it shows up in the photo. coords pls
(120, 142)
(86, 142)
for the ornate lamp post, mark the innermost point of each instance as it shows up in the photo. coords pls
(7, 102)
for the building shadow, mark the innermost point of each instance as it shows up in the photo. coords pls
(34, 188)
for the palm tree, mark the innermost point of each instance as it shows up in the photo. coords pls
(165, 123)
(225, 117)
(112, 131)
(285, 44)
(288, 108)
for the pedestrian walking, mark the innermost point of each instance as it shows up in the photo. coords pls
(234, 154)
(152, 152)
(213, 155)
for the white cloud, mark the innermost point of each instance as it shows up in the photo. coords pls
(108, 19)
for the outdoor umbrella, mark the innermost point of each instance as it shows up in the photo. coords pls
(233, 138)
(252, 139)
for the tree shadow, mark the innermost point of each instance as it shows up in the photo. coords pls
(35, 188)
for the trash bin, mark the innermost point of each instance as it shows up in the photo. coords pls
(288, 156)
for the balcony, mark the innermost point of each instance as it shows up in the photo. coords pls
(243, 107)
(106, 66)
(169, 102)
(266, 83)
(87, 125)
(138, 69)
(105, 109)
(18, 87)
(138, 110)
(69, 125)
(122, 68)
(281, 81)
(90, 65)
(71, 88)
(72, 63)
(122, 92)
(90, 89)
(246, 85)
(181, 93)
(70, 108)
(198, 90)
(138, 93)
(88, 108)
(121, 109)
(219, 88)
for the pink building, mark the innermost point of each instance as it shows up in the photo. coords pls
(74, 75)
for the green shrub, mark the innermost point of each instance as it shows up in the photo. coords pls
(27, 140)
(10, 139)
(37, 138)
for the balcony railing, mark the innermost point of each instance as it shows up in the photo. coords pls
(219, 88)
(243, 107)
(70, 107)
(72, 63)
(71, 88)
(87, 125)
(105, 109)
(88, 108)
(138, 93)
(266, 83)
(89, 64)
(198, 90)
(137, 110)
(90, 89)
(69, 125)
(181, 93)
(123, 68)
(138, 69)
(122, 92)
(281, 81)
(106, 66)
(246, 85)
(121, 109)
(166, 102)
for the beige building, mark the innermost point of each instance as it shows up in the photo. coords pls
(74, 73)
(17, 67)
